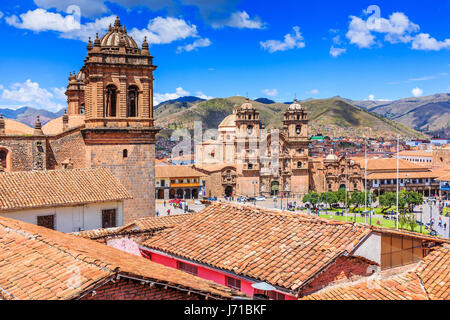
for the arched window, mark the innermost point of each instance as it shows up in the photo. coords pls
(111, 100)
(3, 155)
(82, 108)
(125, 153)
(250, 130)
(297, 129)
(132, 109)
(299, 164)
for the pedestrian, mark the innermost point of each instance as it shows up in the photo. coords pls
(168, 212)
(157, 213)
(164, 203)
(445, 225)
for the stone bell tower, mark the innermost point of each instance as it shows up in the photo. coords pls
(118, 102)
(295, 130)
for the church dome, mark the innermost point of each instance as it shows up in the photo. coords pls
(229, 121)
(247, 105)
(295, 106)
(115, 35)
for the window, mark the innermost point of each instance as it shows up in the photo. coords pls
(46, 221)
(250, 166)
(132, 110)
(399, 251)
(299, 164)
(3, 154)
(125, 153)
(82, 108)
(109, 218)
(111, 100)
(299, 151)
(250, 129)
(297, 129)
(329, 186)
(163, 183)
(189, 268)
(276, 295)
(233, 283)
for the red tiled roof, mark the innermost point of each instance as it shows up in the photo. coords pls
(51, 188)
(434, 271)
(281, 248)
(37, 263)
(399, 287)
(137, 227)
(429, 280)
(178, 171)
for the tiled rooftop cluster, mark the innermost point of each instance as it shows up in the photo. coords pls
(38, 263)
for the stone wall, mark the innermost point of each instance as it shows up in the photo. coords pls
(136, 172)
(68, 145)
(21, 150)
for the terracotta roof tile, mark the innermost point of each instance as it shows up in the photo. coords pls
(36, 263)
(50, 188)
(178, 171)
(434, 271)
(399, 287)
(137, 227)
(429, 280)
(251, 242)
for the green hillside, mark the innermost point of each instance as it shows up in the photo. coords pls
(333, 117)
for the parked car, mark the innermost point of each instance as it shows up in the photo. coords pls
(260, 198)
(251, 199)
(433, 233)
(197, 202)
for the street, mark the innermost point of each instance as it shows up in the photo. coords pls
(432, 211)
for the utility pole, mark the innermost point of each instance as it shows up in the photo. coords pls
(398, 143)
(365, 180)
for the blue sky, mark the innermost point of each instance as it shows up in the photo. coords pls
(218, 48)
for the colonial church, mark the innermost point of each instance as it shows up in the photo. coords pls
(246, 159)
(108, 123)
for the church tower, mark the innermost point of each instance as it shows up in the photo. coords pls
(118, 107)
(295, 129)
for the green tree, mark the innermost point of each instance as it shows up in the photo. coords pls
(387, 200)
(407, 219)
(311, 197)
(329, 198)
(340, 194)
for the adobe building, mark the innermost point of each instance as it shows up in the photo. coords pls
(248, 160)
(109, 122)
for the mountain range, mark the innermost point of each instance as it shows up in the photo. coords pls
(429, 113)
(336, 116)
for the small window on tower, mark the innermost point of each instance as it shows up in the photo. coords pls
(298, 117)
(250, 129)
(297, 129)
(299, 164)
(125, 153)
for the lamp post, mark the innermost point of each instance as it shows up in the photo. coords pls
(254, 182)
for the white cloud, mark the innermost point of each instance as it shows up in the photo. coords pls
(42, 20)
(314, 91)
(241, 20)
(165, 30)
(359, 34)
(397, 29)
(88, 8)
(417, 92)
(371, 97)
(29, 93)
(291, 41)
(203, 96)
(204, 42)
(423, 41)
(179, 92)
(336, 52)
(1, 14)
(270, 92)
(69, 26)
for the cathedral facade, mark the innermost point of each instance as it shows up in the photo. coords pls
(108, 123)
(246, 159)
